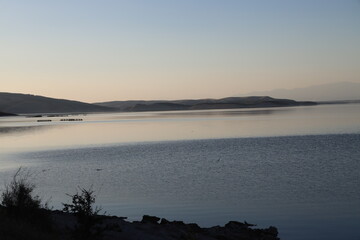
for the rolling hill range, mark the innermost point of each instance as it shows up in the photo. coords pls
(25, 103)
(15, 103)
(224, 103)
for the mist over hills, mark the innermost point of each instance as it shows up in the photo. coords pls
(326, 92)
(17, 103)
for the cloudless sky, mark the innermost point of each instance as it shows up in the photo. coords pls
(106, 50)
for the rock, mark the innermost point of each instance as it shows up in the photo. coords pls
(179, 223)
(272, 231)
(164, 221)
(150, 219)
(194, 227)
(237, 225)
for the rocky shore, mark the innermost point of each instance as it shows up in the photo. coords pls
(24, 216)
(154, 228)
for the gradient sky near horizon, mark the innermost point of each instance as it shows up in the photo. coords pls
(106, 50)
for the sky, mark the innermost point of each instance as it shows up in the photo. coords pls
(103, 50)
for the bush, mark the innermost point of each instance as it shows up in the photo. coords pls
(18, 196)
(82, 204)
(22, 215)
(87, 216)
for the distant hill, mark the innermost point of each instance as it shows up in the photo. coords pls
(25, 103)
(224, 103)
(326, 92)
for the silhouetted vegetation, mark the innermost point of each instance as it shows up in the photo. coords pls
(22, 214)
(88, 226)
(18, 195)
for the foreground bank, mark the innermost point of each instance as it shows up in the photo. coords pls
(65, 226)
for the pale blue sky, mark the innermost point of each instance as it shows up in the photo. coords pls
(167, 49)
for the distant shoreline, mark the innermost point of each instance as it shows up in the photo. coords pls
(338, 102)
(12, 104)
(203, 104)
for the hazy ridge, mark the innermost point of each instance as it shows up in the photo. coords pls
(338, 91)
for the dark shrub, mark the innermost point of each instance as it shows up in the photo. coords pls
(87, 216)
(18, 198)
(22, 215)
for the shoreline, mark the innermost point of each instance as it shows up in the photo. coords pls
(44, 224)
(152, 227)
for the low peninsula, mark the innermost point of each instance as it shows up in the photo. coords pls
(203, 104)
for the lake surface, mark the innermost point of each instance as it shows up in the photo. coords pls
(295, 168)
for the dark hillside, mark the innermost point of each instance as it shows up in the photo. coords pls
(26, 103)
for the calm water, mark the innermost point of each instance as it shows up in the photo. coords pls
(295, 168)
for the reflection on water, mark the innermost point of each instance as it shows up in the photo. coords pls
(20, 133)
(209, 113)
(23, 129)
